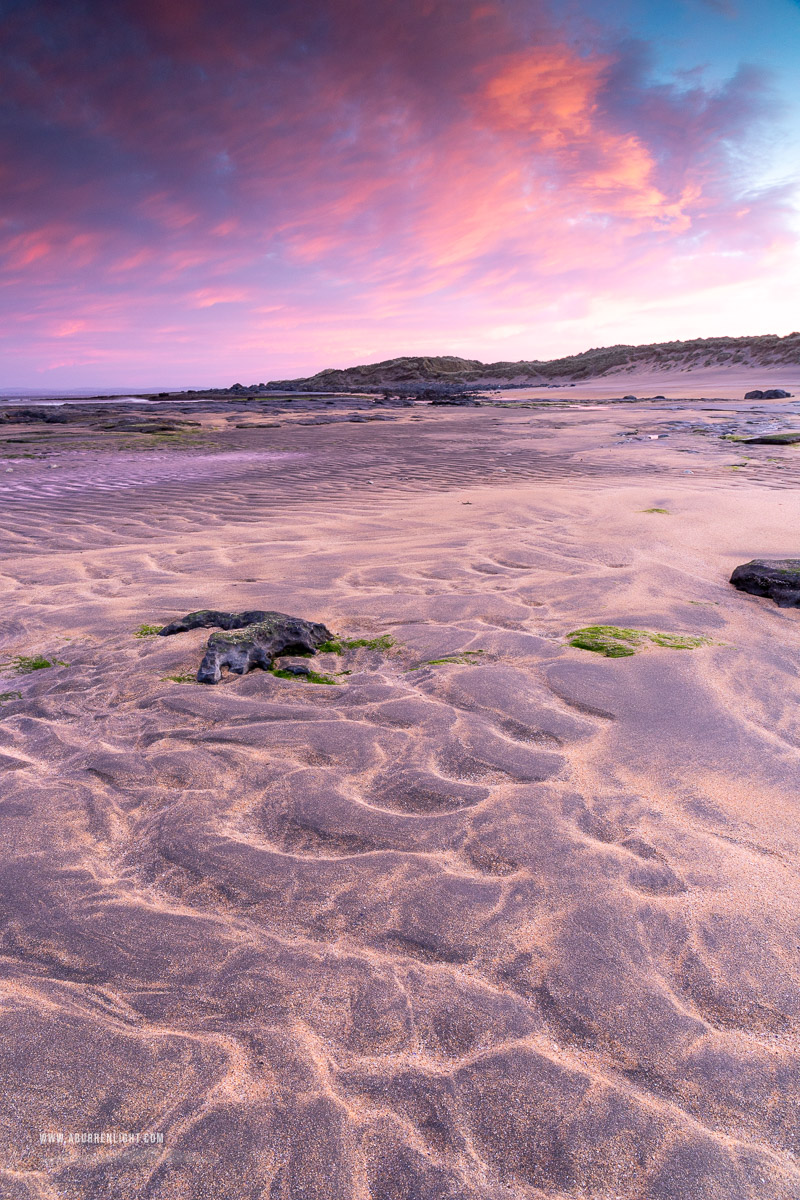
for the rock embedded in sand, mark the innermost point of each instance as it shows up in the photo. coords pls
(295, 666)
(774, 439)
(776, 578)
(769, 394)
(251, 639)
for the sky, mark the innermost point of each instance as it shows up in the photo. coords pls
(201, 193)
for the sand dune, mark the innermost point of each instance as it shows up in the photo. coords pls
(521, 923)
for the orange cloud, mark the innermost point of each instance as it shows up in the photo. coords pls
(549, 91)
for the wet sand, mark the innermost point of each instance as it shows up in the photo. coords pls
(519, 924)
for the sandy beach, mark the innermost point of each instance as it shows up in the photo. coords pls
(488, 916)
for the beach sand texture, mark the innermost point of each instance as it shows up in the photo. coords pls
(523, 923)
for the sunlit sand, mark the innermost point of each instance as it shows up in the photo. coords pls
(488, 915)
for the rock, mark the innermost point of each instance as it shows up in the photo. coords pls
(769, 394)
(776, 578)
(211, 618)
(251, 639)
(756, 395)
(774, 439)
(295, 666)
(450, 403)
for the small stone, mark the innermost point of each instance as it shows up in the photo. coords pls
(294, 666)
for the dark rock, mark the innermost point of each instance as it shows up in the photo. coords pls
(295, 666)
(776, 578)
(774, 439)
(251, 639)
(458, 401)
(769, 394)
(211, 618)
(756, 395)
(27, 416)
(125, 426)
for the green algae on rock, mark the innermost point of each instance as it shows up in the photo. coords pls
(774, 439)
(612, 641)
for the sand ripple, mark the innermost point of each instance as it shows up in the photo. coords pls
(519, 923)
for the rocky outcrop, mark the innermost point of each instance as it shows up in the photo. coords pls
(212, 618)
(769, 394)
(408, 374)
(249, 639)
(776, 578)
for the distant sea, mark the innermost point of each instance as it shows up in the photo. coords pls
(73, 396)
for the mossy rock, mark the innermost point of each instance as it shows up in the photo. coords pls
(254, 638)
(774, 439)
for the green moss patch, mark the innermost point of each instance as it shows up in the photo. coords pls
(463, 658)
(26, 665)
(6, 696)
(614, 642)
(311, 677)
(655, 510)
(339, 645)
(179, 679)
(679, 641)
(148, 631)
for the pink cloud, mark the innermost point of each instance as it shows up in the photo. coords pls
(289, 181)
